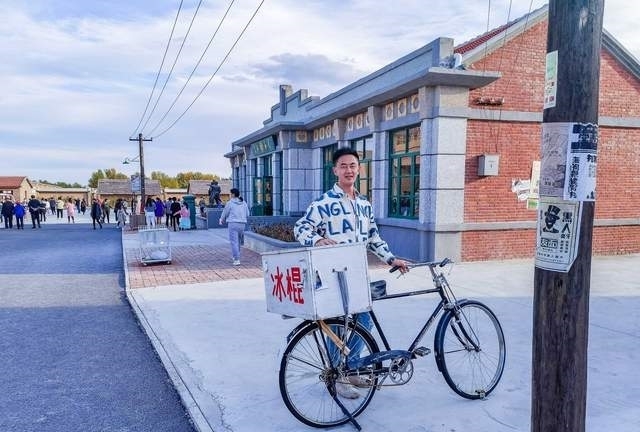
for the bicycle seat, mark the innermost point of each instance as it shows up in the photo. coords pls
(378, 289)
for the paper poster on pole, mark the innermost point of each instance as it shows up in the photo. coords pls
(557, 233)
(569, 161)
(580, 175)
(551, 80)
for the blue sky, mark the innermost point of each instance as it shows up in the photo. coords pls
(77, 74)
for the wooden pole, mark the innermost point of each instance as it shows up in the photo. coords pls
(561, 297)
(141, 159)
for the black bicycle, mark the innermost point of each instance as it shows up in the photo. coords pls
(321, 356)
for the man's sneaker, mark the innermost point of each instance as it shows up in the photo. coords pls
(347, 391)
(359, 381)
(236, 262)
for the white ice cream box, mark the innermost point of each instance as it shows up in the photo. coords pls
(305, 282)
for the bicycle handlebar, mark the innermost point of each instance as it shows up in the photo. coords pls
(442, 263)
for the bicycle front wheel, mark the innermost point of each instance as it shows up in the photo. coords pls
(470, 349)
(307, 377)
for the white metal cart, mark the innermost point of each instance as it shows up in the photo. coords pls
(154, 245)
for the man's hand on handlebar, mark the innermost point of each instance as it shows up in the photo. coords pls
(398, 264)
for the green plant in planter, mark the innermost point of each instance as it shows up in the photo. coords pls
(279, 231)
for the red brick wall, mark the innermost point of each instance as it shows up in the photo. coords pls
(489, 199)
(487, 245)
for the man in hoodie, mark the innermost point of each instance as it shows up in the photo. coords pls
(342, 215)
(235, 213)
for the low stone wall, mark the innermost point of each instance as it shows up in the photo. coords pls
(259, 243)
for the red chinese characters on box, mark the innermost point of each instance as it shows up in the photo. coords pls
(291, 288)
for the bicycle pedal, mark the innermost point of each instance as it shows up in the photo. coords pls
(421, 351)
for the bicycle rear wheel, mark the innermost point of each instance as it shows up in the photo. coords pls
(470, 349)
(306, 377)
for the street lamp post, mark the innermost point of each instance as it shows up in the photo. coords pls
(141, 157)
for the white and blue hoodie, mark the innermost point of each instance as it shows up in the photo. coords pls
(335, 216)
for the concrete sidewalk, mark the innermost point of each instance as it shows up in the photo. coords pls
(208, 322)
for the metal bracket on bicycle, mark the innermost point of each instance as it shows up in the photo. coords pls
(326, 329)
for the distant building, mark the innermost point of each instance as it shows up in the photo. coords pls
(18, 188)
(128, 190)
(49, 191)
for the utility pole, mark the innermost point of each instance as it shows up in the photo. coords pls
(565, 216)
(141, 158)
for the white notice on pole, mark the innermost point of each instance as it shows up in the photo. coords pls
(551, 80)
(580, 172)
(557, 233)
(569, 161)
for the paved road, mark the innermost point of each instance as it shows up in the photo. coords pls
(72, 354)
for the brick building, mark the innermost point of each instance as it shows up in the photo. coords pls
(444, 133)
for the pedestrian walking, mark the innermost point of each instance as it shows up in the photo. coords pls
(34, 211)
(59, 208)
(185, 217)
(96, 213)
(159, 210)
(150, 212)
(19, 211)
(175, 213)
(71, 211)
(7, 212)
(235, 214)
(106, 211)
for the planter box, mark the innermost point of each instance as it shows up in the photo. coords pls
(259, 243)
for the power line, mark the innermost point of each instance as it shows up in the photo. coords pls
(194, 69)
(160, 69)
(184, 40)
(215, 72)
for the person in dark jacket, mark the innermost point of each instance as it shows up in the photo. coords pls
(7, 213)
(96, 213)
(175, 213)
(34, 211)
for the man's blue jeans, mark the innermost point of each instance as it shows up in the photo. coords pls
(356, 343)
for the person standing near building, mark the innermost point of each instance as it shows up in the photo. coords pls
(7, 212)
(159, 210)
(350, 221)
(96, 213)
(167, 212)
(106, 211)
(150, 212)
(59, 208)
(71, 211)
(174, 208)
(235, 214)
(19, 211)
(185, 217)
(34, 211)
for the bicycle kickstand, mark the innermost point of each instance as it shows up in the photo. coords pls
(334, 394)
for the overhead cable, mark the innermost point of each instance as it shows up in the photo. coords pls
(194, 69)
(184, 40)
(159, 70)
(215, 72)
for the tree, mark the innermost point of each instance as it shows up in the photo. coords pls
(108, 173)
